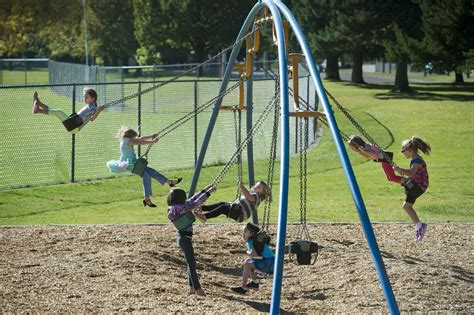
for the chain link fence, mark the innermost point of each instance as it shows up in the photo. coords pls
(14, 71)
(37, 150)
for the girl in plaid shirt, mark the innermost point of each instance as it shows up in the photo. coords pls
(179, 206)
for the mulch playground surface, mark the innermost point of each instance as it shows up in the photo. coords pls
(139, 268)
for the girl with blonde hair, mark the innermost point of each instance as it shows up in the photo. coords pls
(418, 180)
(128, 138)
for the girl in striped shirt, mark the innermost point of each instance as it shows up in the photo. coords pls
(242, 208)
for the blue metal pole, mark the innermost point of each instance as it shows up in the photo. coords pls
(228, 71)
(285, 159)
(356, 195)
(249, 105)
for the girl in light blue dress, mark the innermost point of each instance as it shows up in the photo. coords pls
(128, 138)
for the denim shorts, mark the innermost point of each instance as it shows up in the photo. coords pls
(264, 264)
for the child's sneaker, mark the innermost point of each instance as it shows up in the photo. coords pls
(421, 231)
(239, 290)
(35, 103)
(200, 216)
(253, 285)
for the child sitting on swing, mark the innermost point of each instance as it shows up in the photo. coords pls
(179, 206)
(372, 152)
(128, 138)
(87, 113)
(242, 208)
(262, 258)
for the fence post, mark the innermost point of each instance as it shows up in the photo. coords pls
(154, 90)
(195, 121)
(123, 91)
(139, 118)
(73, 141)
(296, 132)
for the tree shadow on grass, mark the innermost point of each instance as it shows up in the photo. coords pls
(425, 96)
(424, 91)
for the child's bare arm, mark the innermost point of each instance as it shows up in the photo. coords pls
(246, 192)
(142, 141)
(252, 253)
(97, 112)
(150, 137)
(408, 172)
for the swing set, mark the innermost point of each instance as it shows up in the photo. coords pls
(276, 13)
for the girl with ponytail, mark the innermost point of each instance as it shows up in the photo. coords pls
(417, 181)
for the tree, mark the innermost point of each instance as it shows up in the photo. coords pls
(360, 25)
(404, 38)
(198, 27)
(449, 33)
(17, 27)
(112, 30)
(317, 18)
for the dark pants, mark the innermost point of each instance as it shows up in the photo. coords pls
(413, 191)
(186, 244)
(216, 209)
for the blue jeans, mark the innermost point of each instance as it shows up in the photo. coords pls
(186, 245)
(146, 179)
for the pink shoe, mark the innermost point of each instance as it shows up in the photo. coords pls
(200, 216)
(36, 102)
(421, 231)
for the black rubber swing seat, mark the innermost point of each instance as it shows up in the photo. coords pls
(306, 251)
(74, 121)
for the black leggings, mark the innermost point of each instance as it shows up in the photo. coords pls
(216, 209)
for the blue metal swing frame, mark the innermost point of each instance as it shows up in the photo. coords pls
(277, 9)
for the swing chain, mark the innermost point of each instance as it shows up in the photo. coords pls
(360, 128)
(305, 166)
(154, 87)
(271, 169)
(249, 136)
(238, 139)
(182, 120)
(300, 156)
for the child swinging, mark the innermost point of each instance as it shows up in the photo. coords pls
(87, 113)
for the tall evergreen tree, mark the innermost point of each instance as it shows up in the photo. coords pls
(317, 19)
(403, 39)
(449, 32)
(361, 25)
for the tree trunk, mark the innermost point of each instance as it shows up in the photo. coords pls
(401, 77)
(357, 63)
(332, 68)
(199, 56)
(459, 78)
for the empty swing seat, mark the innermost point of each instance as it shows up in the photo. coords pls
(306, 252)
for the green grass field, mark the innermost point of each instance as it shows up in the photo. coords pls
(440, 113)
